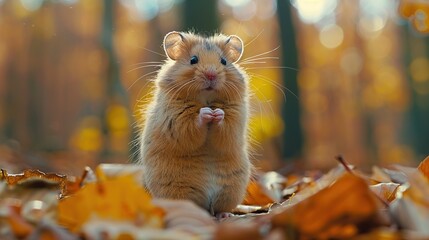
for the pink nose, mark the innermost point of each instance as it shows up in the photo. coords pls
(210, 75)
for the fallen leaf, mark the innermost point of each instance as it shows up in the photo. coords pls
(186, 216)
(273, 184)
(314, 187)
(245, 209)
(337, 211)
(32, 175)
(386, 191)
(116, 198)
(238, 231)
(411, 208)
(18, 225)
(424, 167)
(379, 175)
(256, 195)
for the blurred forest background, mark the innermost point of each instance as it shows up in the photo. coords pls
(335, 77)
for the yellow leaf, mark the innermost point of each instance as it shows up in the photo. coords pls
(117, 198)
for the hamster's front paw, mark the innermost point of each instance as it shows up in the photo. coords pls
(207, 115)
(218, 115)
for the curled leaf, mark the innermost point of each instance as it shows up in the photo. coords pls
(31, 175)
(411, 208)
(337, 211)
(385, 191)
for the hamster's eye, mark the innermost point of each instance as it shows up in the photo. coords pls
(194, 60)
(223, 61)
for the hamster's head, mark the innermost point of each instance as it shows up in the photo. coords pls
(203, 66)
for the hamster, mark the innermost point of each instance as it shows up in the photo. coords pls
(194, 143)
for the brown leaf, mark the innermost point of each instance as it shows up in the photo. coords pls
(34, 175)
(334, 212)
(424, 167)
(256, 195)
(18, 225)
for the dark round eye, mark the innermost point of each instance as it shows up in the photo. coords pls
(223, 61)
(194, 60)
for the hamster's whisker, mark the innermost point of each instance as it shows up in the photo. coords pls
(168, 92)
(228, 96)
(257, 36)
(145, 98)
(266, 100)
(262, 110)
(179, 88)
(157, 53)
(234, 88)
(174, 91)
(133, 145)
(138, 63)
(261, 54)
(142, 63)
(140, 78)
(241, 64)
(191, 86)
(257, 59)
(276, 84)
(274, 67)
(145, 66)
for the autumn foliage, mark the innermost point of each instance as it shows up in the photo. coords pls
(111, 203)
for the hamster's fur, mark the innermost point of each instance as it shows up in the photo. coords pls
(194, 141)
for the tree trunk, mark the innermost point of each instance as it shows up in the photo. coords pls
(292, 136)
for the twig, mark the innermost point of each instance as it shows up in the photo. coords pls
(344, 163)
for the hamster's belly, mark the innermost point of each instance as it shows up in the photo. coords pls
(178, 178)
(198, 179)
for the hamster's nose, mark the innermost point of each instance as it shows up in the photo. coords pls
(210, 75)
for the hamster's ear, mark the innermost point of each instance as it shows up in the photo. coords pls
(234, 48)
(173, 44)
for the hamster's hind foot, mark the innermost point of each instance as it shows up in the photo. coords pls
(223, 215)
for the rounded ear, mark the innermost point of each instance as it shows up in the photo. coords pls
(173, 44)
(234, 48)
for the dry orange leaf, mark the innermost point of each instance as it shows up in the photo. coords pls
(117, 198)
(19, 226)
(33, 174)
(256, 195)
(424, 167)
(334, 212)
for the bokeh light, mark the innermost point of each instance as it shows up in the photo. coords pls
(359, 79)
(331, 36)
(313, 11)
(32, 5)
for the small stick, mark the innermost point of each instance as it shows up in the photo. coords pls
(84, 174)
(344, 163)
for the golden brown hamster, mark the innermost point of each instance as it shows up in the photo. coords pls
(194, 141)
